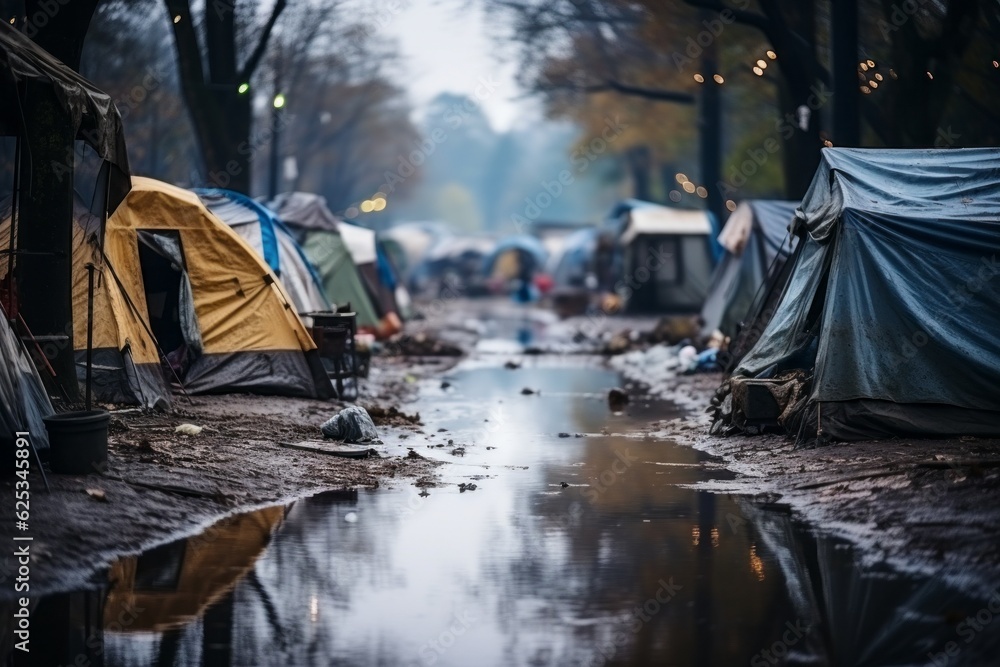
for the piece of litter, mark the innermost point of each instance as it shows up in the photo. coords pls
(97, 494)
(351, 517)
(188, 429)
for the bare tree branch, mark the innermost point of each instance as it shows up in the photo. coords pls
(251, 64)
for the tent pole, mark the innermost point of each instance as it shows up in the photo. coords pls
(90, 328)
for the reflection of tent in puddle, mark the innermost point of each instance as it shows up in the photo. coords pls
(175, 583)
(858, 616)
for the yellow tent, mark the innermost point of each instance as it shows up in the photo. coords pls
(174, 584)
(125, 359)
(216, 309)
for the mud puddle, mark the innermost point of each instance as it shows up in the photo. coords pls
(581, 543)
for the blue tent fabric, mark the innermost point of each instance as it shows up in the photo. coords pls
(739, 277)
(577, 255)
(236, 209)
(893, 304)
(524, 242)
(265, 219)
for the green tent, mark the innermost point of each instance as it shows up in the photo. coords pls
(316, 229)
(339, 275)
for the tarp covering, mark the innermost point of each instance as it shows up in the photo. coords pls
(304, 210)
(893, 301)
(91, 112)
(266, 234)
(251, 336)
(571, 266)
(126, 362)
(23, 401)
(756, 242)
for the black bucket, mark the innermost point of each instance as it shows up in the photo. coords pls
(78, 442)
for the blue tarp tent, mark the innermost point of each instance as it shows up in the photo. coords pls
(266, 234)
(889, 321)
(757, 243)
(524, 244)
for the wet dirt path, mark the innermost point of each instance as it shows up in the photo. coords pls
(584, 542)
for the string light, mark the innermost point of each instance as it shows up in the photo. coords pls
(699, 78)
(878, 77)
(996, 64)
(675, 196)
(772, 55)
(177, 19)
(689, 187)
(702, 192)
(731, 205)
(871, 63)
(681, 178)
(873, 84)
(828, 143)
(866, 90)
(930, 76)
(758, 71)
(762, 64)
(864, 67)
(718, 79)
(893, 74)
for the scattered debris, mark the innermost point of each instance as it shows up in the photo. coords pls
(564, 485)
(422, 345)
(527, 391)
(343, 451)
(413, 455)
(617, 399)
(97, 494)
(352, 424)
(423, 493)
(188, 429)
(445, 384)
(564, 435)
(463, 487)
(458, 451)
(391, 416)
(512, 365)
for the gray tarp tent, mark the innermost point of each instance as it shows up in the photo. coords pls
(893, 305)
(756, 242)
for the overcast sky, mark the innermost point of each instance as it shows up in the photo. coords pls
(446, 45)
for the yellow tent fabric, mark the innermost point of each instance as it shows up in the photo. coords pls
(126, 360)
(249, 335)
(179, 581)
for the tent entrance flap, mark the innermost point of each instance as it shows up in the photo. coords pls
(169, 298)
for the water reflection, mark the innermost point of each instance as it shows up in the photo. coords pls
(620, 567)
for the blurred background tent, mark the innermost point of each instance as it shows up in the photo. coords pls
(318, 230)
(215, 307)
(757, 243)
(266, 234)
(666, 257)
(453, 266)
(126, 360)
(516, 256)
(406, 244)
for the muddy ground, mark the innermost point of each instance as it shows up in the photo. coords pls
(924, 505)
(160, 485)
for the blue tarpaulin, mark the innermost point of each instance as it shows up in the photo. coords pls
(893, 304)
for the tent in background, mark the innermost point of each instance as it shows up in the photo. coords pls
(126, 361)
(214, 306)
(406, 244)
(515, 254)
(666, 259)
(266, 234)
(318, 230)
(757, 243)
(888, 323)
